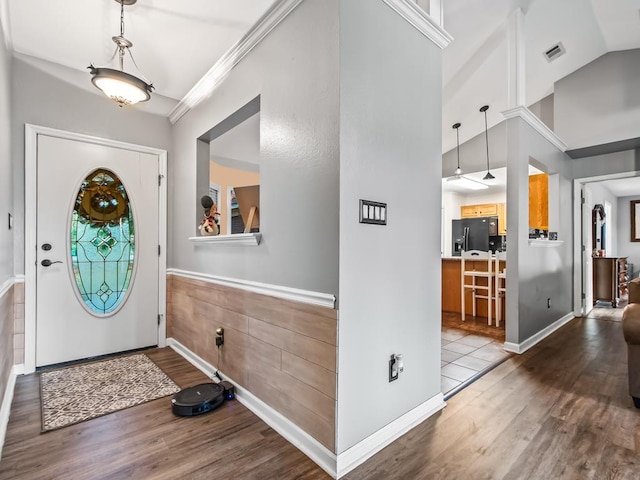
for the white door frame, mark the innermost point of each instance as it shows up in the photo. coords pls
(30, 215)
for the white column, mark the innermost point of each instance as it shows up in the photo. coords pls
(436, 11)
(516, 60)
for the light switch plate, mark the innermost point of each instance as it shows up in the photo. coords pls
(373, 212)
(10, 221)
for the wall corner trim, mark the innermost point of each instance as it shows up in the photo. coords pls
(365, 449)
(210, 81)
(538, 337)
(538, 125)
(287, 293)
(421, 21)
(6, 286)
(5, 410)
(300, 439)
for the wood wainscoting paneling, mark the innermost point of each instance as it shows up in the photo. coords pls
(6, 334)
(283, 352)
(18, 323)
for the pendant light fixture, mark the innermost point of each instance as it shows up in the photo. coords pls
(122, 87)
(458, 171)
(484, 109)
(458, 178)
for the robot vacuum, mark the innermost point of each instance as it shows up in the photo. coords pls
(201, 398)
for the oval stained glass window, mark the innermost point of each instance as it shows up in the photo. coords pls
(102, 242)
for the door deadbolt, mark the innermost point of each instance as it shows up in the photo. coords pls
(46, 247)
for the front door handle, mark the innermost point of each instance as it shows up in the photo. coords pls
(47, 263)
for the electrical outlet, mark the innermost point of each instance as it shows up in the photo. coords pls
(548, 303)
(396, 365)
(393, 368)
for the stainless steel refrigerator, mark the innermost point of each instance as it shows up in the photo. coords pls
(475, 234)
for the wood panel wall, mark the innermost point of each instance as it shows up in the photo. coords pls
(18, 323)
(283, 352)
(6, 339)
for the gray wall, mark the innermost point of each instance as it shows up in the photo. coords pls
(535, 274)
(627, 248)
(544, 110)
(390, 145)
(600, 103)
(42, 99)
(295, 72)
(6, 187)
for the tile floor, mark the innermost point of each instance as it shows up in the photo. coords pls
(465, 354)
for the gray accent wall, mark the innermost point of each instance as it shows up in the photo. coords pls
(627, 248)
(600, 102)
(6, 168)
(42, 99)
(390, 151)
(295, 72)
(535, 274)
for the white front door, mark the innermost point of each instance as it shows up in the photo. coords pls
(97, 215)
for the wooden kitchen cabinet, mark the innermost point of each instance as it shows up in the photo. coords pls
(539, 201)
(502, 218)
(480, 210)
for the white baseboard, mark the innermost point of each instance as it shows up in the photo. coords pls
(5, 410)
(538, 337)
(285, 427)
(371, 445)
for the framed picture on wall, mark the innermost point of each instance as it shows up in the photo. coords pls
(635, 220)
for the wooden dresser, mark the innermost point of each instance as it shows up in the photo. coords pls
(609, 279)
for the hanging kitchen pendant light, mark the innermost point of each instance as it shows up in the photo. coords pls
(484, 109)
(458, 171)
(122, 87)
(459, 179)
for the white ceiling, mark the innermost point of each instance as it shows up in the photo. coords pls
(176, 42)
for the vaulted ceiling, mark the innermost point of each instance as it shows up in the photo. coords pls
(176, 42)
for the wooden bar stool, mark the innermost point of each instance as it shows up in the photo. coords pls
(501, 283)
(477, 257)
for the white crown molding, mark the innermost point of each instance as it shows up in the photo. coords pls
(287, 293)
(421, 21)
(6, 286)
(285, 427)
(210, 81)
(235, 240)
(371, 445)
(538, 337)
(5, 410)
(528, 116)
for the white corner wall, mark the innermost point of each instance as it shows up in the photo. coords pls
(390, 144)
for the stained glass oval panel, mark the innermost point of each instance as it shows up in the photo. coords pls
(102, 242)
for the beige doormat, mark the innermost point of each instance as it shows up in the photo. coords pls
(75, 394)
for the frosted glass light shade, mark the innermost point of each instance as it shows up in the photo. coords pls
(120, 86)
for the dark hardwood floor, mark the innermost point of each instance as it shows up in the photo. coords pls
(148, 441)
(559, 411)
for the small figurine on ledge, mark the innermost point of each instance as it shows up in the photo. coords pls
(209, 225)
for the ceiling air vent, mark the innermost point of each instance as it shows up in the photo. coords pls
(554, 52)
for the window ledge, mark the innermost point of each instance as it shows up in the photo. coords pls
(235, 240)
(536, 242)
